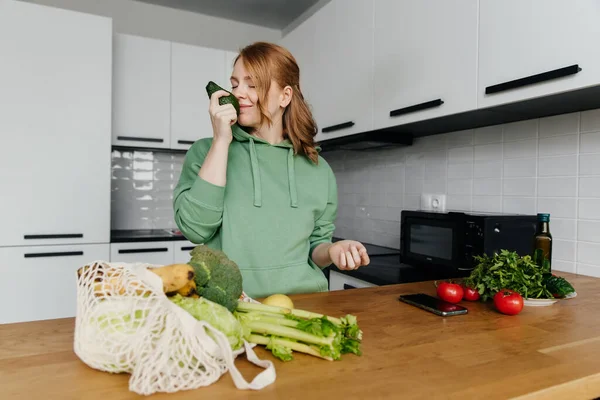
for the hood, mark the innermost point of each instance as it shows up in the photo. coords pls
(241, 135)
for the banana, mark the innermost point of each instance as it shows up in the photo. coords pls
(174, 276)
(115, 286)
(189, 289)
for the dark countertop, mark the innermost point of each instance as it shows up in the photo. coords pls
(385, 267)
(145, 235)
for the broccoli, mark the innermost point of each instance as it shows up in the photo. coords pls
(217, 277)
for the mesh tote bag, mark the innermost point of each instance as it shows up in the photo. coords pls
(126, 324)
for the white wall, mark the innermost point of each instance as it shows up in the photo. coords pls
(165, 23)
(542, 165)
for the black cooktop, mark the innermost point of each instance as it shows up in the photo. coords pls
(385, 267)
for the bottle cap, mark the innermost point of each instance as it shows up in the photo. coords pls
(543, 217)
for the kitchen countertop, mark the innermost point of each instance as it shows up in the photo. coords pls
(544, 352)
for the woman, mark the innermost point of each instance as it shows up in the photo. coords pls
(262, 194)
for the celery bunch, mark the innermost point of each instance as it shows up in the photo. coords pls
(284, 330)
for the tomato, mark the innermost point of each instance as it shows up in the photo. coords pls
(450, 292)
(508, 302)
(470, 293)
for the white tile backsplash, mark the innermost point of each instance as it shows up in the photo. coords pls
(460, 138)
(562, 228)
(487, 187)
(142, 189)
(558, 145)
(589, 164)
(462, 187)
(487, 203)
(587, 253)
(590, 120)
(487, 169)
(542, 165)
(563, 124)
(590, 142)
(519, 187)
(521, 130)
(488, 134)
(557, 187)
(519, 205)
(557, 166)
(460, 154)
(520, 168)
(589, 208)
(488, 152)
(558, 207)
(589, 186)
(460, 171)
(564, 249)
(520, 149)
(588, 231)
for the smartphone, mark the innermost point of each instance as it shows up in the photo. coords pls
(432, 304)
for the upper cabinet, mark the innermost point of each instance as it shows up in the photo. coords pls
(55, 124)
(192, 67)
(425, 59)
(141, 92)
(334, 49)
(533, 48)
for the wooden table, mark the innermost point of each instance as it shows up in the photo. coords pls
(544, 352)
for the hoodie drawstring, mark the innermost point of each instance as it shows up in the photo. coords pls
(255, 175)
(292, 179)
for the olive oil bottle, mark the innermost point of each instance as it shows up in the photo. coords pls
(542, 243)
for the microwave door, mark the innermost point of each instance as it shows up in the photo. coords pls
(431, 242)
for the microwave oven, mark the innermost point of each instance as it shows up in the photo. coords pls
(444, 243)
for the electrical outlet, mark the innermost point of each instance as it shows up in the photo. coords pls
(433, 202)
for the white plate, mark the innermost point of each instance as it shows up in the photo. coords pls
(539, 302)
(570, 295)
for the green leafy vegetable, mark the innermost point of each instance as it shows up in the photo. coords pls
(508, 270)
(216, 315)
(557, 285)
(217, 277)
(282, 329)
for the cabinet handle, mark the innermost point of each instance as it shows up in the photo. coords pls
(346, 286)
(416, 107)
(54, 236)
(140, 139)
(337, 127)
(530, 80)
(150, 250)
(190, 142)
(58, 254)
(187, 248)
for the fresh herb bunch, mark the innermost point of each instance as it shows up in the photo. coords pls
(508, 270)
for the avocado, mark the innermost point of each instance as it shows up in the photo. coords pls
(231, 99)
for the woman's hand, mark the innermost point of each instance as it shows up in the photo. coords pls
(348, 254)
(221, 117)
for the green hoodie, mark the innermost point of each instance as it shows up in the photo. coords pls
(275, 209)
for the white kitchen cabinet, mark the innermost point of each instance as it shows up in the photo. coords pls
(181, 251)
(40, 282)
(192, 67)
(141, 92)
(339, 281)
(519, 39)
(425, 59)
(155, 253)
(334, 49)
(55, 122)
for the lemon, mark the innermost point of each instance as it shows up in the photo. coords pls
(279, 300)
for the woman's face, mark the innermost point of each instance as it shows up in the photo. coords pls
(244, 90)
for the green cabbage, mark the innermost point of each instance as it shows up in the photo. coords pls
(216, 315)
